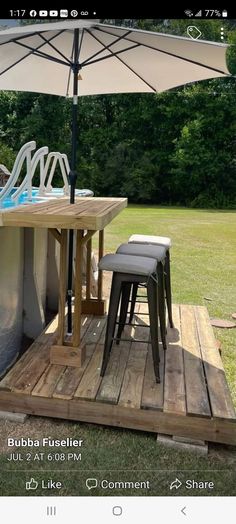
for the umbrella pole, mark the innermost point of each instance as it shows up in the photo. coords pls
(73, 175)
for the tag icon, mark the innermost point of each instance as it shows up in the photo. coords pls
(193, 32)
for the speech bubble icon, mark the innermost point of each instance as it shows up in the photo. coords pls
(91, 483)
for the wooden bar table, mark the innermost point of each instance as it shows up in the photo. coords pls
(87, 216)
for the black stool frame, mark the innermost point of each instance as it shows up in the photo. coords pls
(161, 304)
(164, 290)
(119, 284)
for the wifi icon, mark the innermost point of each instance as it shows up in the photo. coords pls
(189, 13)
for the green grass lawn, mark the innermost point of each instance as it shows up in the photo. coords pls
(203, 266)
(203, 261)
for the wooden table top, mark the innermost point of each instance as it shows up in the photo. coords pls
(87, 213)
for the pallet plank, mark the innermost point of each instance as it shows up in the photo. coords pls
(196, 391)
(91, 379)
(220, 398)
(213, 430)
(49, 336)
(127, 413)
(30, 376)
(174, 388)
(71, 377)
(131, 391)
(109, 390)
(90, 382)
(110, 387)
(46, 384)
(153, 393)
(38, 362)
(132, 385)
(95, 330)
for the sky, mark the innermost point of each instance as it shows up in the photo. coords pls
(9, 22)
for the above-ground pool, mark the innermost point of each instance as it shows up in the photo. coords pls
(8, 202)
(28, 271)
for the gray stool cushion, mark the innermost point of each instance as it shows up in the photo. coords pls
(128, 264)
(149, 250)
(150, 239)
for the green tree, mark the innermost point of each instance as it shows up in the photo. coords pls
(204, 159)
(174, 147)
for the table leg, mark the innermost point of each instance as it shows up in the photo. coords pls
(100, 255)
(96, 306)
(88, 269)
(78, 289)
(62, 287)
(69, 353)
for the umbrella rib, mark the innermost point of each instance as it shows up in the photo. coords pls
(114, 55)
(13, 40)
(168, 53)
(105, 47)
(71, 58)
(80, 44)
(69, 73)
(137, 74)
(25, 56)
(55, 49)
(41, 54)
(36, 33)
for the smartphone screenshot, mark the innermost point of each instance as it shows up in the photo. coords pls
(117, 264)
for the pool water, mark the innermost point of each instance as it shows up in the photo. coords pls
(23, 199)
(8, 202)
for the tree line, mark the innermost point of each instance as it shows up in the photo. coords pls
(176, 147)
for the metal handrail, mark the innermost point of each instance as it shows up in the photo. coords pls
(23, 154)
(38, 158)
(45, 185)
(54, 157)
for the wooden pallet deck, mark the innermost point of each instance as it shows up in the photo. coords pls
(193, 399)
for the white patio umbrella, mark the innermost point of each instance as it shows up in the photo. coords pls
(84, 57)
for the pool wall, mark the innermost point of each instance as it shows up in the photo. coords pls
(11, 294)
(53, 264)
(34, 281)
(23, 279)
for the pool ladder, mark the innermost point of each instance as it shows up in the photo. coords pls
(46, 168)
(24, 155)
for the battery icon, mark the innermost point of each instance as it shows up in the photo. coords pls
(224, 13)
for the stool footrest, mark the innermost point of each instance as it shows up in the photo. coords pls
(131, 340)
(131, 324)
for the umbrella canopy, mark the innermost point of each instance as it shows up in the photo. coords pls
(111, 59)
(84, 57)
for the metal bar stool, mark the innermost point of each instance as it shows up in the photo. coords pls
(159, 241)
(150, 251)
(131, 270)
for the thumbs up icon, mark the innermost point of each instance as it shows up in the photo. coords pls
(31, 484)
